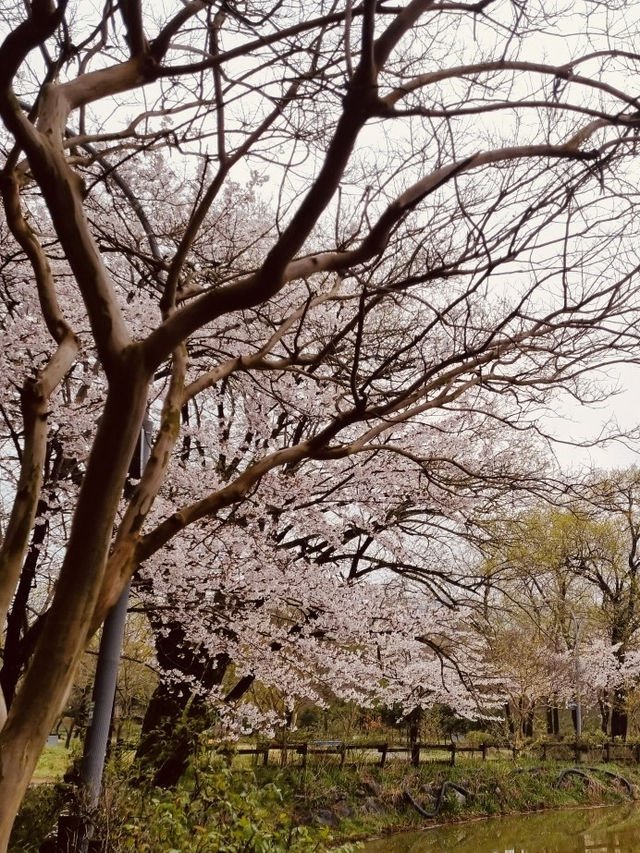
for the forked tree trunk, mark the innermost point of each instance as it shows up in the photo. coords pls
(527, 717)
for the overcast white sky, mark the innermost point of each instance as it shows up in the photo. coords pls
(584, 423)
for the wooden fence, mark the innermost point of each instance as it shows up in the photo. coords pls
(378, 753)
(373, 753)
(608, 751)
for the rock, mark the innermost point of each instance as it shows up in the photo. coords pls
(324, 817)
(460, 797)
(371, 805)
(368, 787)
(343, 809)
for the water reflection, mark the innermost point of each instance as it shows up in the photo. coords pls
(580, 831)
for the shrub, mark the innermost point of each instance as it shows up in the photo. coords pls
(37, 816)
(479, 736)
(210, 810)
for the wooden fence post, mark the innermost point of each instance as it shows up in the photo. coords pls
(343, 752)
(483, 750)
(383, 753)
(607, 752)
(452, 760)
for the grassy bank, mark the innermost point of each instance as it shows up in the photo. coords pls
(318, 808)
(360, 802)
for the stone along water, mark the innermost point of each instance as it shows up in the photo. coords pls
(610, 830)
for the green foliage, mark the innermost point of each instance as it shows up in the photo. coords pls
(37, 816)
(215, 810)
(445, 721)
(211, 810)
(43, 801)
(595, 737)
(481, 736)
(311, 717)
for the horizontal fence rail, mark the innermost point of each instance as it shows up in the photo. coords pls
(373, 753)
(285, 752)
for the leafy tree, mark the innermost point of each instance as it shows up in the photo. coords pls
(391, 309)
(567, 582)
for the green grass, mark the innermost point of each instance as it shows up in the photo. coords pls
(53, 763)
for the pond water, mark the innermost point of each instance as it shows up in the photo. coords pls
(610, 830)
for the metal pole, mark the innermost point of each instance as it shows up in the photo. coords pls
(104, 688)
(576, 653)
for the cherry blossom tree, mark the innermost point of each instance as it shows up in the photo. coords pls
(330, 244)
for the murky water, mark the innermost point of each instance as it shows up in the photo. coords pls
(610, 830)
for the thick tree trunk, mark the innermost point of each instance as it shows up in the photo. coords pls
(619, 716)
(170, 732)
(415, 719)
(49, 678)
(509, 718)
(175, 718)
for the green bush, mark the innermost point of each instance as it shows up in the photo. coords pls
(479, 737)
(595, 737)
(37, 816)
(211, 810)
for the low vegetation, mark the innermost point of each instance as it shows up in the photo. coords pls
(52, 765)
(269, 810)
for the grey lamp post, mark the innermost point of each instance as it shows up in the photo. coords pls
(576, 653)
